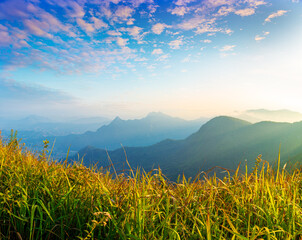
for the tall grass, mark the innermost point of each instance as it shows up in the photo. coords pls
(43, 199)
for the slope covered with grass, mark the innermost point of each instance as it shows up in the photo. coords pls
(43, 199)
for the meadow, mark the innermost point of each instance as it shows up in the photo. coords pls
(41, 198)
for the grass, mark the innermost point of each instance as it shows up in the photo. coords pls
(43, 199)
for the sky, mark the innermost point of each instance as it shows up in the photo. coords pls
(186, 58)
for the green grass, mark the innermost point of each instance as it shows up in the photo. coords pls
(44, 199)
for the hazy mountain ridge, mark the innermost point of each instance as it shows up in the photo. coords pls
(282, 115)
(49, 127)
(153, 128)
(210, 147)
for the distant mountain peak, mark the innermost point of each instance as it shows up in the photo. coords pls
(35, 118)
(117, 119)
(157, 114)
(219, 125)
(225, 119)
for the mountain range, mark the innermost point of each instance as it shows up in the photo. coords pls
(222, 141)
(176, 145)
(48, 127)
(153, 128)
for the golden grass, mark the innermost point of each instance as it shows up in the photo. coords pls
(43, 199)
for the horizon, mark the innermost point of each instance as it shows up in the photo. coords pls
(184, 58)
(250, 115)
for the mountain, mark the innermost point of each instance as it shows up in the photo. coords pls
(23, 123)
(259, 115)
(154, 127)
(222, 141)
(46, 127)
(32, 130)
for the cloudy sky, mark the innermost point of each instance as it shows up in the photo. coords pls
(187, 58)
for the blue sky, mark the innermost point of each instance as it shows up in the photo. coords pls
(186, 58)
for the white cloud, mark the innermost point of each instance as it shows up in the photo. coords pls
(245, 12)
(175, 44)
(135, 31)
(163, 57)
(140, 59)
(208, 18)
(51, 23)
(261, 37)
(87, 27)
(22, 43)
(36, 27)
(201, 24)
(279, 13)
(121, 41)
(74, 9)
(113, 33)
(152, 7)
(180, 11)
(124, 12)
(106, 11)
(98, 23)
(256, 3)
(20, 34)
(208, 28)
(130, 21)
(228, 31)
(225, 10)
(227, 48)
(157, 51)
(5, 38)
(191, 23)
(158, 28)
(217, 3)
(35, 19)
(184, 2)
(137, 3)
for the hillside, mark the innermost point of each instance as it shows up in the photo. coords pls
(43, 199)
(222, 141)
